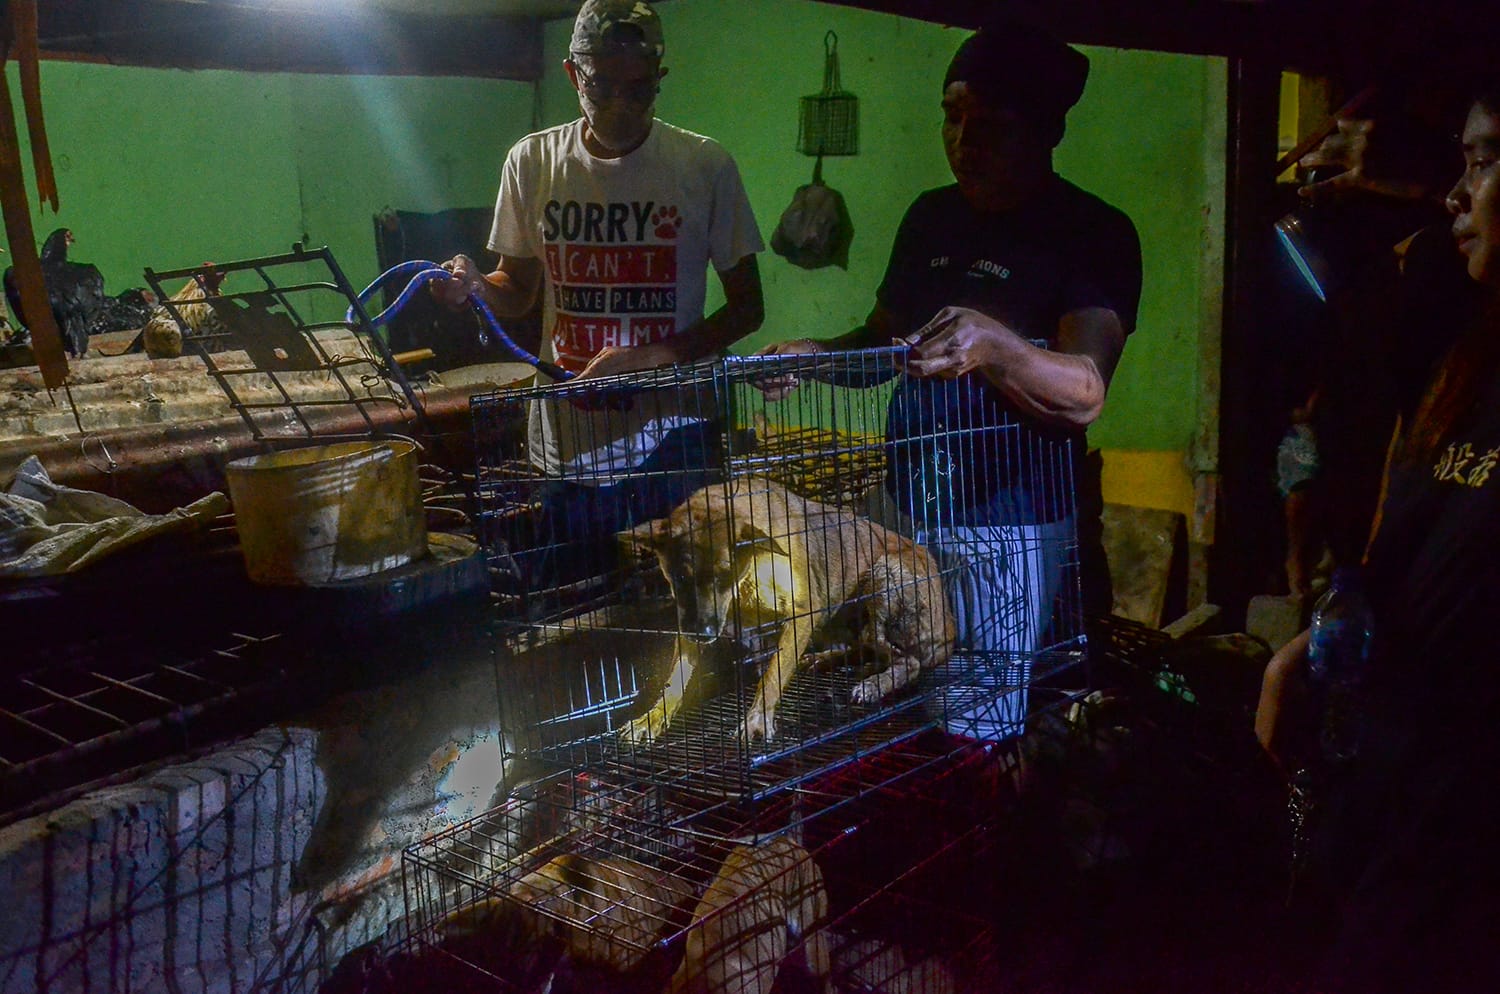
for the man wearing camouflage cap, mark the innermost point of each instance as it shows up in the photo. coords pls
(618, 216)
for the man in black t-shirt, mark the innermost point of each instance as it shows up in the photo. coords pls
(1015, 290)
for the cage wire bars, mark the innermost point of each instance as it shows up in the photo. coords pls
(635, 888)
(659, 542)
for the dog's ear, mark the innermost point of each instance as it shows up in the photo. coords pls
(646, 536)
(753, 536)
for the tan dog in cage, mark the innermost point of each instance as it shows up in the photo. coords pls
(603, 910)
(751, 552)
(764, 901)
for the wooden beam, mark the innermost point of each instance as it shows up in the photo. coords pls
(1345, 38)
(1198, 27)
(16, 26)
(1249, 550)
(230, 36)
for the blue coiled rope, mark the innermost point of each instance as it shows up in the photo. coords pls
(420, 272)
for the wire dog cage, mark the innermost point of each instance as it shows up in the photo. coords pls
(737, 575)
(635, 888)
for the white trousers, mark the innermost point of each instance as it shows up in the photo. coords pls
(1002, 582)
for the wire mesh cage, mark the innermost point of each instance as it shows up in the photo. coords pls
(740, 574)
(910, 901)
(828, 122)
(920, 928)
(639, 889)
(288, 342)
(574, 865)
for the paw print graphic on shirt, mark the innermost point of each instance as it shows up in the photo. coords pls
(667, 222)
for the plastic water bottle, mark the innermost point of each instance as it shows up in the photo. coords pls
(1338, 657)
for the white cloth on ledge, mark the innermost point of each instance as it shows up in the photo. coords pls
(47, 529)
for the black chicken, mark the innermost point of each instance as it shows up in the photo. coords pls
(75, 290)
(128, 311)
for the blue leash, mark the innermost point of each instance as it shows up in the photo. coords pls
(422, 272)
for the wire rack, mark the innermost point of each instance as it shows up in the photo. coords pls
(899, 942)
(910, 906)
(94, 710)
(274, 337)
(980, 696)
(613, 511)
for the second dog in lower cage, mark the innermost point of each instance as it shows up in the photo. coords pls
(635, 891)
(765, 900)
(843, 575)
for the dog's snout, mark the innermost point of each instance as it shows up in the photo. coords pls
(704, 628)
(698, 627)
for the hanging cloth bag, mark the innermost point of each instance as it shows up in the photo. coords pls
(815, 230)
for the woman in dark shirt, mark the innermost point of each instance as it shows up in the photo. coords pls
(1406, 840)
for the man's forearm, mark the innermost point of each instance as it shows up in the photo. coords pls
(1055, 387)
(505, 296)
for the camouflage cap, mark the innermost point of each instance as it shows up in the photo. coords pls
(597, 31)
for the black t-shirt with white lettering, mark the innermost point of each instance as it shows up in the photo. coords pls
(959, 454)
(1406, 836)
(1435, 567)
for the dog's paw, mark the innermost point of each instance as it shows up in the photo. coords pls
(871, 690)
(645, 729)
(759, 726)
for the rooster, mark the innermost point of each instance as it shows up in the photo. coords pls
(162, 336)
(74, 289)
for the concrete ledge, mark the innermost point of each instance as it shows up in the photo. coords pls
(132, 390)
(179, 881)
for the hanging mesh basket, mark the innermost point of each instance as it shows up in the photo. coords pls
(829, 123)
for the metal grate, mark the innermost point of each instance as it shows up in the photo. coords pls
(108, 706)
(289, 373)
(983, 696)
(911, 907)
(488, 893)
(897, 941)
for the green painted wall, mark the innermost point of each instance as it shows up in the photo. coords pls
(168, 168)
(737, 70)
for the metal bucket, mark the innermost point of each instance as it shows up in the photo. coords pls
(328, 512)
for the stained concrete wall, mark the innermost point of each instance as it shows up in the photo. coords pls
(182, 880)
(256, 867)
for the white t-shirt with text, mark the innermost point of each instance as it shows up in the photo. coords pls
(625, 244)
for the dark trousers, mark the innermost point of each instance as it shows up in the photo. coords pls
(575, 536)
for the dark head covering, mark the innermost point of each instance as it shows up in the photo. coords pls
(1023, 68)
(604, 27)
